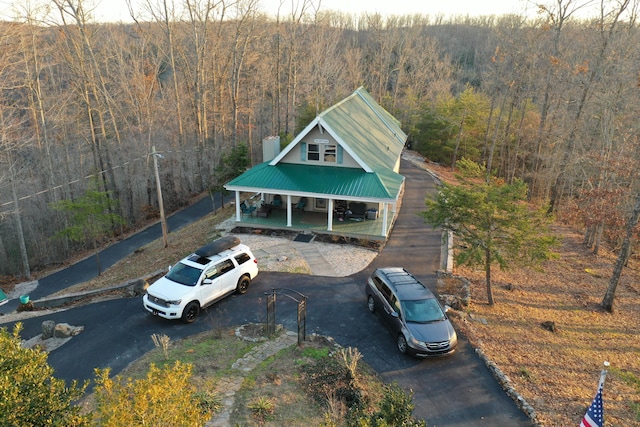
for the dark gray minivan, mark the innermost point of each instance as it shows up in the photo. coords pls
(411, 312)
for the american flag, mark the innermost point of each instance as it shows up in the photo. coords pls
(595, 414)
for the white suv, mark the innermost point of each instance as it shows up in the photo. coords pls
(204, 277)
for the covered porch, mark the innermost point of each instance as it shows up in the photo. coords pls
(348, 202)
(316, 222)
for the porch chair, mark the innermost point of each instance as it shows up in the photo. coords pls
(301, 203)
(277, 201)
(246, 209)
(357, 210)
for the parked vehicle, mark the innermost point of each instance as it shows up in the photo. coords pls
(412, 313)
(199, 280)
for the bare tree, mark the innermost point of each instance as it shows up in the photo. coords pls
(294, 33)
(607, 301)
(245, 21)
(606, 27)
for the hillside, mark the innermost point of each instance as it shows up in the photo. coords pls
(557, 372)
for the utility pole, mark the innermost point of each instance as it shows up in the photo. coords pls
(163, 221)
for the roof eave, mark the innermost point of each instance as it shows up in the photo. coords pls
(295, 141)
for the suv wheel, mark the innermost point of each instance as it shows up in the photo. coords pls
(402, 344)
(190, 312)
(243, 285)
(371, 304)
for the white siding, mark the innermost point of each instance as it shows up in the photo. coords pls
(315, 137)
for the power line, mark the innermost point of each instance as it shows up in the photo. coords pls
(93, 175)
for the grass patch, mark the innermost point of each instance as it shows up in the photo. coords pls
(312, 384)
(633, 381)
(316, 353)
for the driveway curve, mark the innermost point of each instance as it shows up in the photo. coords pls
(458, 390)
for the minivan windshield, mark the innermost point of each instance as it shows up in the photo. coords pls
(184, 274)
(422, 311)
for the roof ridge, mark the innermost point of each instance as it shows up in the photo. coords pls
(378, 113)
(334, 106)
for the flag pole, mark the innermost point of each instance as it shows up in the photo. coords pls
(595, 413)
(603, 374)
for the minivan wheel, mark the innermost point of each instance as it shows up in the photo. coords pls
(402, 344)
(371, 304)
(243, 285)
(190, 312)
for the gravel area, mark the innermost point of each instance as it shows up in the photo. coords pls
(283, 254)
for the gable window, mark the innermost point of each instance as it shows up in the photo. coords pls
(320, 150)
(313, 152)
(330, 153)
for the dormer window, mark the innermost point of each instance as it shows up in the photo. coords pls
(320, 150)
(330, 153)
(313, 152)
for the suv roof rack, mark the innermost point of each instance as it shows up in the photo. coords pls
(218, 246)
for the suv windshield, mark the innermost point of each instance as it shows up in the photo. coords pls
(422, 311)
(184, 274)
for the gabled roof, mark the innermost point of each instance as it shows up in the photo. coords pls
(319, 181)
(363, 128)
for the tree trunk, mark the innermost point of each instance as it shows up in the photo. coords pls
(20, 232)
(174, 71)
(458, 139)
(487, 273)
(607, 301)
(97, 252)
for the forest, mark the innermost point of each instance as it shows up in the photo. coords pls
(551, 99)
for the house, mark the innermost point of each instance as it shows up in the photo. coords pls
(342, 168)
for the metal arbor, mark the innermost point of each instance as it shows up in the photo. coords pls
(302, 311)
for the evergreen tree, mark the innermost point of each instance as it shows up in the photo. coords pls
(433, 137)
(92, 217)
(234, 163)
(491, 221)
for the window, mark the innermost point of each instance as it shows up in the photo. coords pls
(242, 258)
(320, 150)
(330, 153)
(313, 152)
(184, 274)
(224, 267)
(395, 304)
(321, 203)
(383, 288)
(211, 272)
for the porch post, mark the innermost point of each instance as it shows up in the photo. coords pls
(330, 215)
(385, 214)
(288, 210)
(238, 213)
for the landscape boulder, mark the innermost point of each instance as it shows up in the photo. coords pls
(452, 301)
(48, 327)
(64, 330)
(137, 287)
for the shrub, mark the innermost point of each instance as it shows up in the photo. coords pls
(29, 393)
(165, 396)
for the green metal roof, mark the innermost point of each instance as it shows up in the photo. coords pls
(367, 130)
(327, 181)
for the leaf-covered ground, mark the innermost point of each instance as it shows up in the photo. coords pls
(557, 373)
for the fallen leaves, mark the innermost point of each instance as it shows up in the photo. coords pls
(557, 373)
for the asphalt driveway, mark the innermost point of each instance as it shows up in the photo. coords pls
(453, 391)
